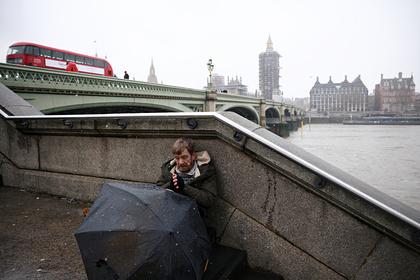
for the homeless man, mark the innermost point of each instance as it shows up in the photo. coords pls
(190, 173)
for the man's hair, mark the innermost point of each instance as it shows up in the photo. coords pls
(181, 144)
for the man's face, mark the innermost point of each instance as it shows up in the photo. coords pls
(184, 161)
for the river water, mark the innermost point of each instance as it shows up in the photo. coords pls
(386, 157)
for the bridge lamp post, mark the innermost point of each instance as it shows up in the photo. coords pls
(210, 67)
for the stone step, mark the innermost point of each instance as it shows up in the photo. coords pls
(231, 264)
(252, 274)
(225, 263)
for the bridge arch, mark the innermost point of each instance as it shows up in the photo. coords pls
(247, 112)
(272, 116)
(116, 107)
(272, 112)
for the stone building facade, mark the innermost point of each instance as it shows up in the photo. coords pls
(269, 72)
(396, 95)
(217, 81)
(233, 86)
(339, 97)
(417, 106)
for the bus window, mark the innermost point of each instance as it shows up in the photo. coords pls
(46, 53)
(16, 50)
(70, 57)
(80, 59)
(58, 55)
(29, 50)
(36, 51)
(88, 61)
(99, 63)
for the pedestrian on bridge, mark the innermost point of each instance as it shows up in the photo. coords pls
(126, 76)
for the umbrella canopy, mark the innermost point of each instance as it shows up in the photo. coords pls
(143, 232)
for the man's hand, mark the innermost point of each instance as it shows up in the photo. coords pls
(177, 184)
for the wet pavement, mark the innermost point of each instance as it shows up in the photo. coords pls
(36, 236)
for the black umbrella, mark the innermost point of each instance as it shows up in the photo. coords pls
(143, 232)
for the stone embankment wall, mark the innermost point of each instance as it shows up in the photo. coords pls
(275, 200)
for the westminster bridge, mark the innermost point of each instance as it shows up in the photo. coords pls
(59, 92)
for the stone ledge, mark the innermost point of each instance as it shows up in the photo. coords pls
(267, 250)
(72, 186)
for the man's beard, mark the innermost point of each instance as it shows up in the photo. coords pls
(185, 168)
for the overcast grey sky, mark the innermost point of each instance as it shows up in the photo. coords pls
(315, 38)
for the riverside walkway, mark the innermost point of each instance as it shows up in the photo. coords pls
(36, 237)
(37, 241)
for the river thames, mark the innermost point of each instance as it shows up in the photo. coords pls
(386, 157)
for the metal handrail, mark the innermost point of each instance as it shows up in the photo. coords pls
(244, 131)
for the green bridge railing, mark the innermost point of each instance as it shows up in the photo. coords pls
(17, 76)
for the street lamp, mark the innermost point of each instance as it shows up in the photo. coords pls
(210, 67)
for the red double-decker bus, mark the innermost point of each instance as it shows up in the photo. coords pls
(46, 57)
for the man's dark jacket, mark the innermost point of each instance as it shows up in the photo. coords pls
(203, 187)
